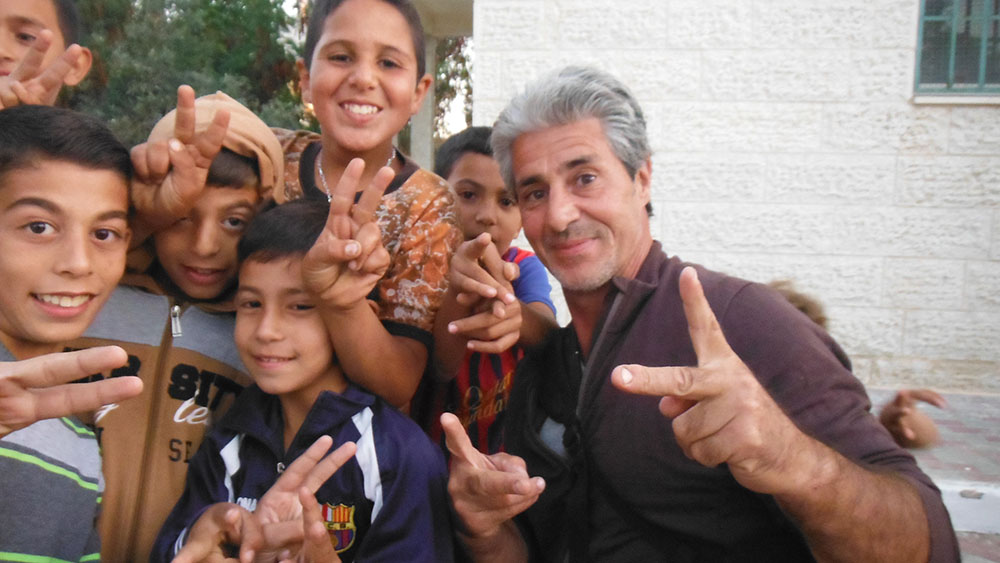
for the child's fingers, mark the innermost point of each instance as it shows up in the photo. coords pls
(184, 119)
(25, 96)
(342, 195)
(8, 98)
(31, 63)
(377, 262)
(298, 471)
(369, 237)
(157, 162)
(364, 210)
(328, 466)
(51, 79)
(209, 142)
(494, 264)
(316, 545)
(930, 397)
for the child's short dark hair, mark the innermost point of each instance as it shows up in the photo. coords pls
(284, 230)
(321, 9)
(235, 170)
(69, 20)
(474, 140)
(32, 133)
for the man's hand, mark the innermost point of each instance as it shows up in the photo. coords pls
(39, 388)
(29, 83)
(348, 258)
(909, 427)
(720, 412)
(486, 491)
(170, 175)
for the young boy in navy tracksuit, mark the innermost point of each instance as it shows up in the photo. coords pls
(390, 501)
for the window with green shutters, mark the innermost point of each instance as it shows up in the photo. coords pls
(959, 47)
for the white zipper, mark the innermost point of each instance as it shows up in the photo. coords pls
(175, 321)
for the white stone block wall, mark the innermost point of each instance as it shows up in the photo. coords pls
(787, 145)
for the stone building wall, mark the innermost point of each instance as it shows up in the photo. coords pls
(788, 145)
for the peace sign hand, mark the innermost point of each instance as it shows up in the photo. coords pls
(40, 388)
(29, 83)
(348, 258)
(720, 412)
(170, 174)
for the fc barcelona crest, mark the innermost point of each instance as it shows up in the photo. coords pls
(339, 522)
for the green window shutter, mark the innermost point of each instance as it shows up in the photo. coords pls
(958, 47)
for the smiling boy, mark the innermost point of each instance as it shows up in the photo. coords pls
(174, 316)
(388, 503)
(63, 237)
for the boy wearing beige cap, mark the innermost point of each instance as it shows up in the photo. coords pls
(173, 313)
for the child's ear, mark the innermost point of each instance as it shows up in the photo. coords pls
(300, 66)
(80, 68)
(423, 85)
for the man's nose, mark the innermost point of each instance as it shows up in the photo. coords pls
(561, 210)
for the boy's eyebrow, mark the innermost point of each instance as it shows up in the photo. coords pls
(244, 204)
(115, 214)
(53, 208)
(474, 184)
(21, 20)
(36, 202)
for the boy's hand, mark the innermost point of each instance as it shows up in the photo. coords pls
(279, 512)
(38, 388)
(170, 175)
(494, 328)
(30, 83)
(478, 272)
(909, 427)
(348, 258)
(216, 534)
(316, 547)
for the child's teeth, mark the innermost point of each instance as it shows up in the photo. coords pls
(65, 300)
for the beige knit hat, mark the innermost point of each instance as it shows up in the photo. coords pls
(248, 136)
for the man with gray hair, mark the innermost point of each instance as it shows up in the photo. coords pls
(753, 443)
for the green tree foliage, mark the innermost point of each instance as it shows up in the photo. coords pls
(144, 49)
(452, 80)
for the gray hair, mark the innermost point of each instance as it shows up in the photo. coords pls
(568, 95)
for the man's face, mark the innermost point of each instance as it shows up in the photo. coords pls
(198, 252)
(583, 214)
(21, 21)
(484, 204)
(63, 238)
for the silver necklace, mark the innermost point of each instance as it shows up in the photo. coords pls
(322, 175)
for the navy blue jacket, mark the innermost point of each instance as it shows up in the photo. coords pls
(388, 503)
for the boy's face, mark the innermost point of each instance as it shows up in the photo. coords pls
(484, 204)
(363, 81)
(20, 23)
(279, 332)
(198, 252)
(63, 238)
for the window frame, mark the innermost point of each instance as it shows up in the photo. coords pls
(987, 19)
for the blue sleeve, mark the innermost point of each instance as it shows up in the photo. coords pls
(205, 485)
(415, 522)
(532, 286)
